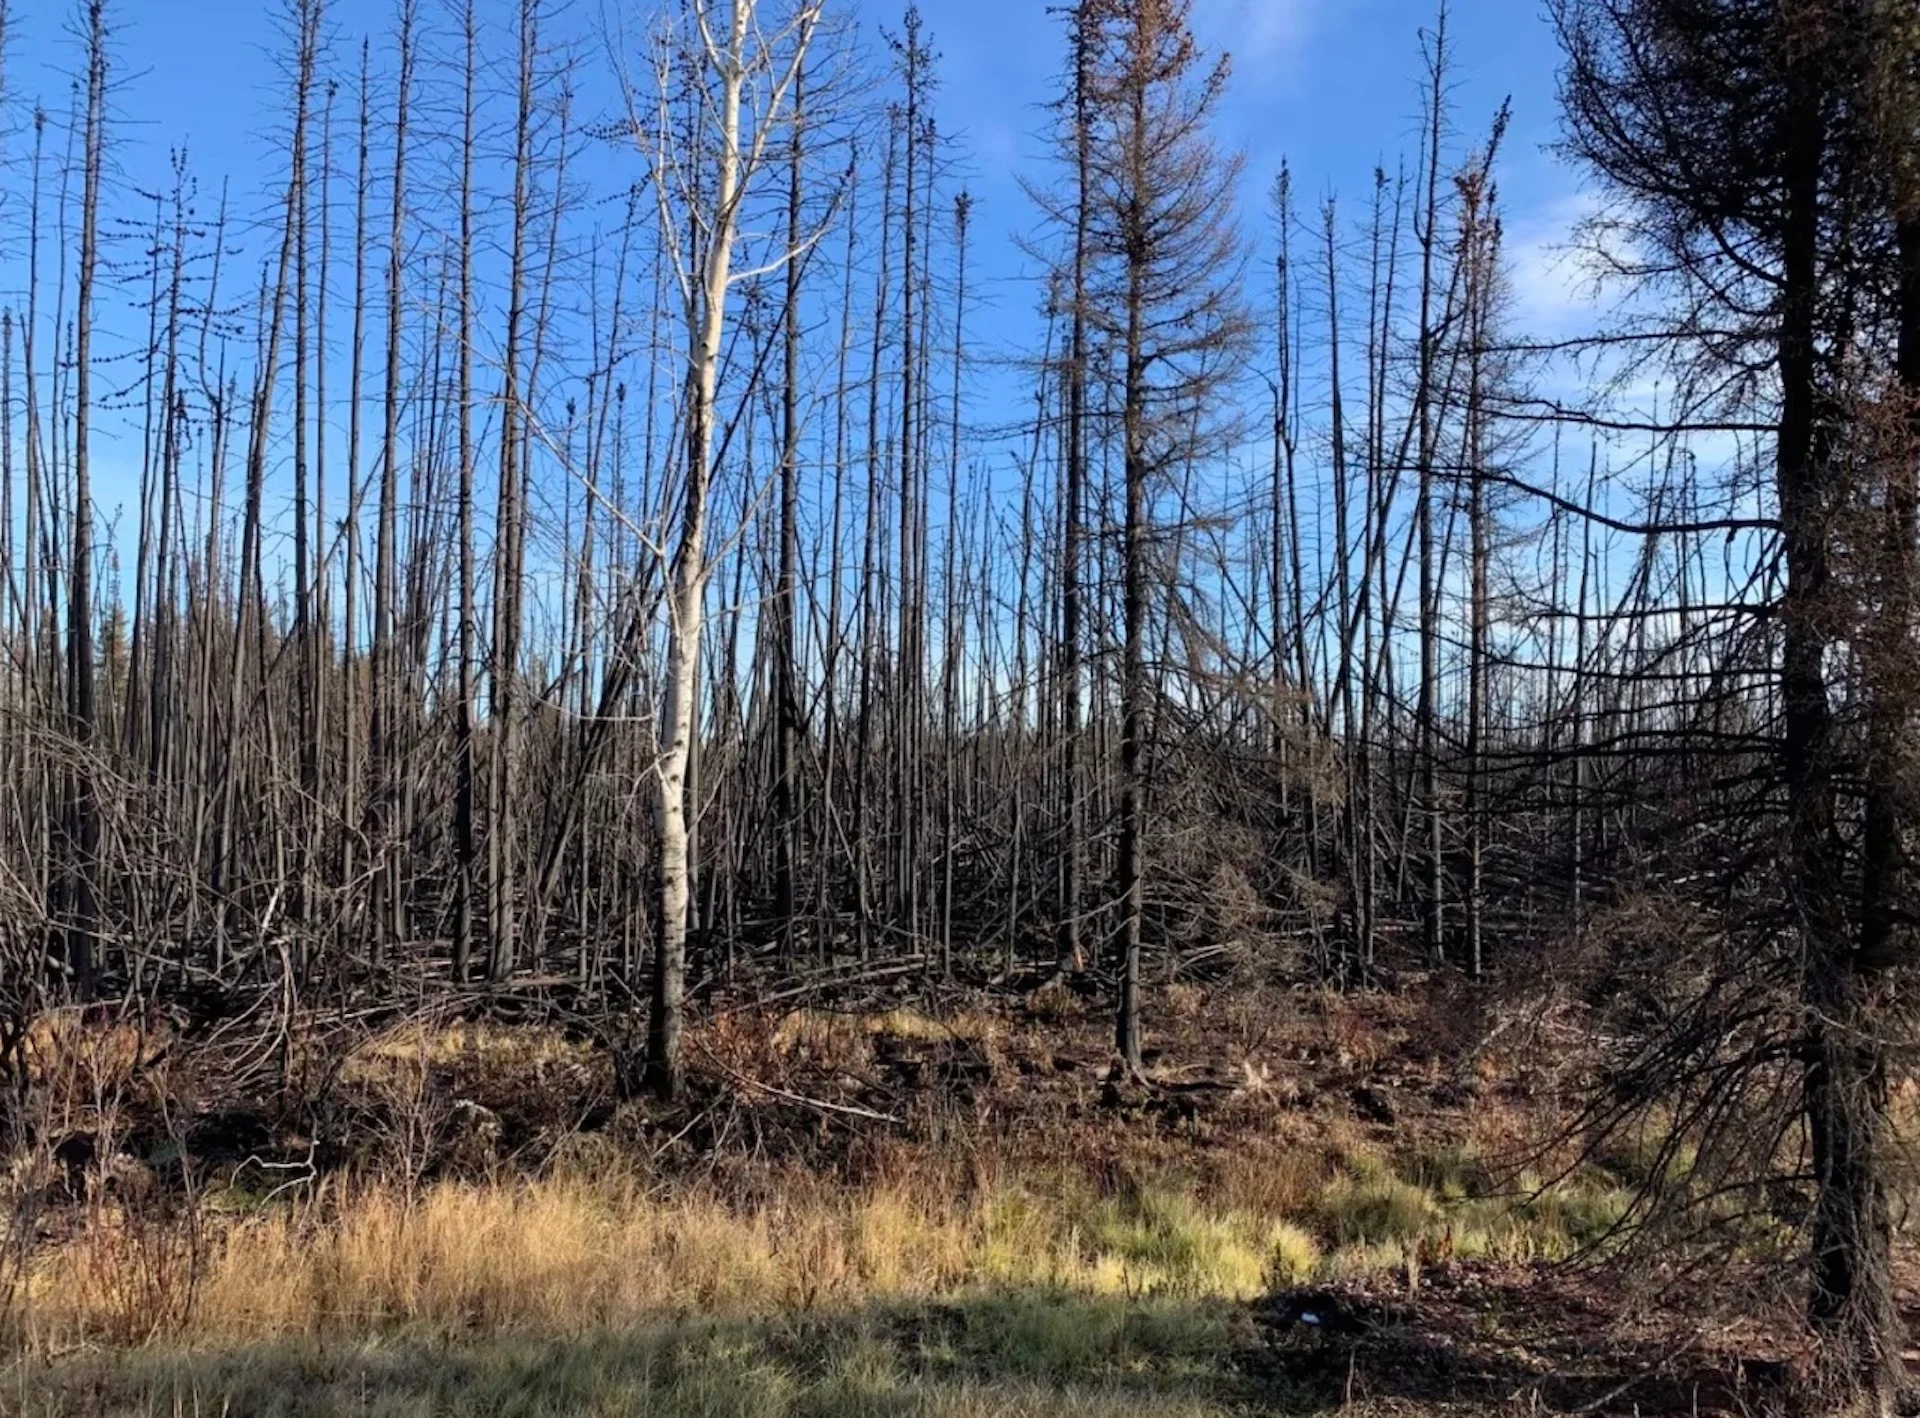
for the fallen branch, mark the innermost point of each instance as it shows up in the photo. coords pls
(844, 1109)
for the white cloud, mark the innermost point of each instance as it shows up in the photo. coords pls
(1551, 276)
(1254, 31)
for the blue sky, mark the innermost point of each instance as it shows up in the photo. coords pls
(1331, 81)
(1332, 85)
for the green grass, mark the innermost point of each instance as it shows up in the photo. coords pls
(1165, 1242)
(1371, 1206)
(1376, 1219)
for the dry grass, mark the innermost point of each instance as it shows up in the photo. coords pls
(839, 1040)
(963, 1273)
(569, 1253)
(526, 1051)
(576, 1295)
(576, 1253)
(76, 1070)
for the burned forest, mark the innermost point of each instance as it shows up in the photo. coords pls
(698, 719)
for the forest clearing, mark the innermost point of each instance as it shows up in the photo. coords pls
(966, 707)
(1311, 1210)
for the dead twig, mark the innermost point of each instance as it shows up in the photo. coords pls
(820, 1104)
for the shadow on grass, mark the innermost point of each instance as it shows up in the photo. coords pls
(1041, 1353)
(1517, 1340)
(1024, 1353)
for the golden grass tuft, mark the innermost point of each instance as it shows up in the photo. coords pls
(525, 1053)
(1164, 1242)
(1371, 1206)
(1272, 1182)
(574, 1253)
(77, 1068)
(830, 1039)
(569, 1254)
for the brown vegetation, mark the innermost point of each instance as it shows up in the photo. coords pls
(464, 1187)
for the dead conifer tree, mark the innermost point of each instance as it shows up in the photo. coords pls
(1161, 296)
(81, 818)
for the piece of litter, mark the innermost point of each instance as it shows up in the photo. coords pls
(1309, 1318)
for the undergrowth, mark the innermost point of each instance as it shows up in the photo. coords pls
(577, 1251)
(948, 1275)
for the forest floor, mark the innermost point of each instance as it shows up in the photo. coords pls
(1360, 1204)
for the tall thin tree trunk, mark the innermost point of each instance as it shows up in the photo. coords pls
(786, 596)
(1130, 884)
(1427, 748)
(82, 814)
(463, 833)
(389, 916)
(350, 744)
(1069, 952)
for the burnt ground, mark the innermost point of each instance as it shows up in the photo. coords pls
(1257, 1097)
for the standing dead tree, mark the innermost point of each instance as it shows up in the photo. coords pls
(745, 73)
(1160, 296)
(80, 897)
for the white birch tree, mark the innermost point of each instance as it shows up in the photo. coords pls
(743, 70)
